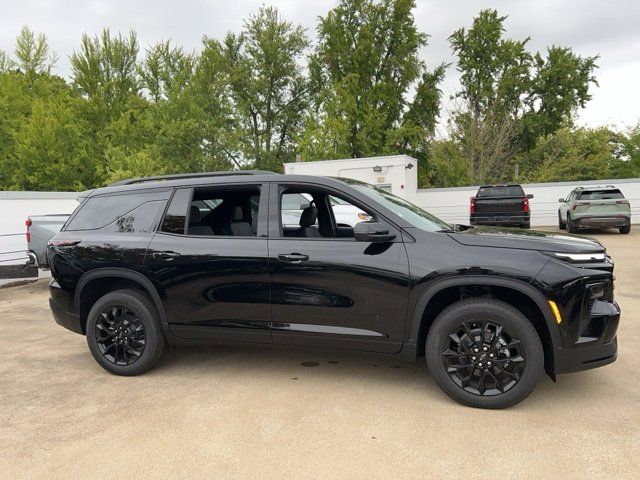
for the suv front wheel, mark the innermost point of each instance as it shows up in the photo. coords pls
(484, 353)
(124, 333)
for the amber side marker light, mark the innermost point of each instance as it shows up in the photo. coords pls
(555, 310)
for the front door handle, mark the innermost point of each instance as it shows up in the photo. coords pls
(166, 255)
(293, 257)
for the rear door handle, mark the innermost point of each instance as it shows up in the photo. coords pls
(166, 255)
(293, 257)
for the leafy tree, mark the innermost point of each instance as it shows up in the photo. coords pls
(504, 84)
(576, 154)
(365, 64)
(50, 151)
(261, 69)
(32, 53)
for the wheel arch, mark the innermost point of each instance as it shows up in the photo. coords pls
(111, 279)
(518, 294)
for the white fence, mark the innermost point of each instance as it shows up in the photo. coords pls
(452, 204)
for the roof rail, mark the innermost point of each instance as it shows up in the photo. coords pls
(179, 176)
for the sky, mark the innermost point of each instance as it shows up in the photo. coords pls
(591, 27)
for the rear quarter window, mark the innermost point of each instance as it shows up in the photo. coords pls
(127, 213)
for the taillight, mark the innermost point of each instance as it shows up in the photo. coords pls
(28, 233)
(525, 205)
(580, 204)
(472, 205)
(622, 202)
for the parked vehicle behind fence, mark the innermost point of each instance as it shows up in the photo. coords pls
(208, 258)
(40, 229)
(504, 205)
(594, 207)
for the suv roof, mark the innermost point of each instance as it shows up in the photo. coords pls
(608, 187)
(179, 176)
(198, 179)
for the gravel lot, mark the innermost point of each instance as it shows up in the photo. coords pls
(252, 412)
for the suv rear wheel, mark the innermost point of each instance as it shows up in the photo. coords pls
(571, 227)
(625, 229)
(124, 333)
(484, 353)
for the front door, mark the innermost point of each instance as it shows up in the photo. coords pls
(327, 289)
(211, 263)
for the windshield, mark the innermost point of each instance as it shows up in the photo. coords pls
(408, 211)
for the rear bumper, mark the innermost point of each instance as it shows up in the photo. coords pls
(25, 267)
(61, 303)
(591, 352)
(499, 219)
(602, 222)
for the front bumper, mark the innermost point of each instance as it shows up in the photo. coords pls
(596, 346)
(61, 304)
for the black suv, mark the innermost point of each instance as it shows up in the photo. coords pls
(214, 258)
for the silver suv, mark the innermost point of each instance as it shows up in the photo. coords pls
(595, 207)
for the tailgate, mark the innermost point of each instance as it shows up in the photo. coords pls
(602, 207)
(498, 206)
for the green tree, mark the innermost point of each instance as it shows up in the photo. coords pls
(571, 154)
(32, 53)
(362, 70)
(502, 83)
(261, 72)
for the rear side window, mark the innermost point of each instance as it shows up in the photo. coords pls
(600, 195)
(135, 212)
(501, 191)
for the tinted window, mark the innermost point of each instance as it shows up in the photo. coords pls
(100, 211)
(501, 191)
(211, 211)
(600, 195)
(142, 219)
(176, 216)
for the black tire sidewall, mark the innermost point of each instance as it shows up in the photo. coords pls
(514, 322)
(155, 343)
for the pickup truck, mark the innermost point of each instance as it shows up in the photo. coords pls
(40, 229)
(505, 205)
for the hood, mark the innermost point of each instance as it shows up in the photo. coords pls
(526, 240)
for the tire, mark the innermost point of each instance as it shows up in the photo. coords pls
(561, 224)
(138, 342)
(526, 225)
(571, 228)
(485, 313)
(626, 229)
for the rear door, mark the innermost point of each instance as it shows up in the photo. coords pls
(210, 260)
(329, 290)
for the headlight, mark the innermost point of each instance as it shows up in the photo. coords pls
(578, 257)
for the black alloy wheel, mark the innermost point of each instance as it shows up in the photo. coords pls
(483, 358)
(124, 332)
(120, 335)
(484, 352)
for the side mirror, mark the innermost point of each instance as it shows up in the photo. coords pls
(304, 205)
(529, 196)
(561, 200)
(372, 232)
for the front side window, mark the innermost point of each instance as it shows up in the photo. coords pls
(214, 211)
(318, 213)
